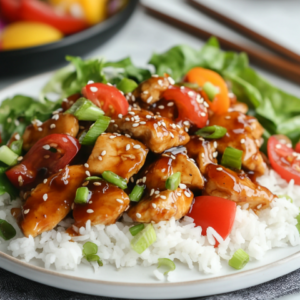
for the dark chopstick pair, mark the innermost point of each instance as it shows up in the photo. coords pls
(288, 69)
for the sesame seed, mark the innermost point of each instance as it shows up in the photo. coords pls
(52, 126)
(215, 154)
(159, 123)
(144, 179)
(46, 156)
(172, 156)
(55, 117)
(155, 75)
(149, 99)
(187, 123)
(178, 194)
(45, 180)
(187, 193)
(112, 121)
(163, 197)
(93, 89)
(186, 129)
(112, 136)
(227, 117)
(191, 93)
(142, 122)
(45, 197)
(172, 135)
(215, 144)
(203, 114)
(88, 173)
(20, 180)
(100, 157)
(116, 125)
(119, 200)
(132, 179)
(86, 165)
(120, 116)
(103, 152)
(132, 113)
(97, 183)
(127, 147)
(148, 116)
(85, 183)
(243, 141)
(161, 107)
(90, 82)
(171, 80)
(206, 104)
(259, 206)
(138, 215)
(152, 192)
(40, 129)
(135, 124)
(202, 155)
(26, 211)
(278, 146)
(90, 202)
(146, 92)
(163, 170)
(160, 82)
(17, 137)
(89, 211)
(137, 146)
(182, 186)
(170, 104)
(46, 147)
(153, 205)
(20, 158)
(219, 169)
(109, 84)
(127, 135)
(17, 123)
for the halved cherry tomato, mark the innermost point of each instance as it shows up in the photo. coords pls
(10, 10)
(215, 212)
(297, 148)
(42, 158)
(187, 102)
(284, 160)
(107, 97)
(35, 10)
(221, 102)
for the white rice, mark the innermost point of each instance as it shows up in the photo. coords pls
(256, 234)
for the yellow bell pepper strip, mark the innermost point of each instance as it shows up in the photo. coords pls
(28, 34)
(207, 78)
(95, 11)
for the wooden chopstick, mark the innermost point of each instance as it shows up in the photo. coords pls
(262, 59)
(288, 54)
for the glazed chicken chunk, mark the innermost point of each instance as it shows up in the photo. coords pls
(157, 173)
(202, 151)
(50, 201)
(106, 203)
(60, 123)
(243, 133)
(117, 153)
(157, 133)
(151, 90)
(225, 183)
(162, 206)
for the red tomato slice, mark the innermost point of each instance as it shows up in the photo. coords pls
(40, 161)
(297, 148)
(107, 97)
(10, 10)
(215, 212)
(38, 11)
(284, 160)
(187, 102)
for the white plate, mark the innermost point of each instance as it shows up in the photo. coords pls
(139, 282)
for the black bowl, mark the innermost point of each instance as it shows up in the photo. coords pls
(49, 56)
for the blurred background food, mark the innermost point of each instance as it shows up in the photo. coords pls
(28, 23)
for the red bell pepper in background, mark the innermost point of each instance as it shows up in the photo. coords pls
(40, 157)
(10, 10)
(107, 97)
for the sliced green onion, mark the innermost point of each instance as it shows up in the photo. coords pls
(95, 130)
(210, 90)
(212, 132)
(239, 259)
(298, 224)
(232, 158)
(7, 231)
(137, 193)
(16, 146)
(93, 178)
(127, 85)
(85, 110)
(94, 257)
(173, 181)
(143, 239)
(167, 263)
(89, 248)
(82, 195)
(134, 230)
(8, 156)
(115, 179)
(287, 197)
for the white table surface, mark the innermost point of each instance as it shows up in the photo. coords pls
(143, 34)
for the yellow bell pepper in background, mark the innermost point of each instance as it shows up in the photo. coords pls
(28, 34)
(95, 11)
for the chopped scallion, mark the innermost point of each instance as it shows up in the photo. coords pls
(134, 230)
(94, 257)
(115, 179)
(16, 146)
(90, 253)
(93, 178)
(232, 158)
(239, 259)
(298, 222)
(143, 239)
(167, 263)
(210, 90)
(127, 85)
(82, 195)
(85, 110)
(7, 231)
(173, 181)
(212, 132)
(8, 156)
(137, 193)
(97, 128)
